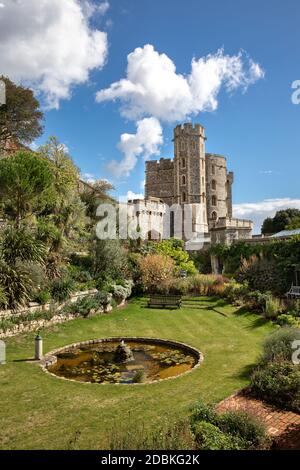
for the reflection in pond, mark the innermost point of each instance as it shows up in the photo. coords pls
(120, 362)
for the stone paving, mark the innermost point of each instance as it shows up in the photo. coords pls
(283, 426)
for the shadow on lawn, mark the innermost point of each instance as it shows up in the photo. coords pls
(245, 372)
(256, 322)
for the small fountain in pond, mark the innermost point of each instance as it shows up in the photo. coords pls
(123, 353)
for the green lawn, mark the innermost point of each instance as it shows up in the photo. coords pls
(39, 411)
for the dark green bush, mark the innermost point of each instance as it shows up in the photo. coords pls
(42, 297)
(85, 306)
(229, 430)
(244, 426)
(279, 384)
(210, 437)
(16, 283)
(61, 289)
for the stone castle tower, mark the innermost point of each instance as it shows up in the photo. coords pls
(193, 177)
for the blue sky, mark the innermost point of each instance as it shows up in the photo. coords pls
(257, 129)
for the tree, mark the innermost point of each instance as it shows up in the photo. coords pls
(26, 185)
(155, 269)
(284, 219)
(21, 117)
(65, 172)
(94, 194)
(175, 249)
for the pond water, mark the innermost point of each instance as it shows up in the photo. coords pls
(142, 362)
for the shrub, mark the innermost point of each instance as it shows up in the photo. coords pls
(273, 307)
(244, 426)
(61, 289)
(286, 320)
(279, 384)
(210, 437)
(16, 283)
(278, 346)
(42, 296)
(202, 412)
(85, 307)
(155, 269)
(229, 430)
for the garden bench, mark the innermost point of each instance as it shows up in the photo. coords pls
(293, 293)
(164, 301)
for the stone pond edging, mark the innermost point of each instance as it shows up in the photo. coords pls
(51, 358)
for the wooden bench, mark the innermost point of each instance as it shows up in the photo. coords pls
(293, 293)
(164, 301)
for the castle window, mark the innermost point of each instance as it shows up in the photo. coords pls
(214, 201)
(183, 162)
(203, 198)
(214, 215)
(194, 145)
(183, 197)
(182, 145)
(183, 179)
(213, 184)
(213, 170)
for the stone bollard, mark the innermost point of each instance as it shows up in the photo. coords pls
(38, 348)
(2, 353)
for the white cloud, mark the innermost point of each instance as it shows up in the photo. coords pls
(88, 177)
(152, 86)
(145, 142)
(259, 211)
(50, 44)
(132, 195)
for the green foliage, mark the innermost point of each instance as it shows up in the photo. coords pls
(273, 307)
(278, 383)
(284, 219)
(20, 244)
(16, 283)
(210, 437)
(286, 320)
(202, 260)
(3, 298)
(61, 289)
(42, 296)
(278, 346)
(244, 426)
(26, 185)
(109, 259)
(21, 117)
(262, 274)
(174, 248)
(225, 431)
(85, 306)
(65, 173)
(276, 274)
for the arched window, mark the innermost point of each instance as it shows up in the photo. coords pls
(183, 179)
(214, 215)
(213, 184)
(183, 197)
(203, 198)
(213, 170)
(214, 201)
(183, 162)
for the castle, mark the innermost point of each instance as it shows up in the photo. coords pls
(197, 179)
